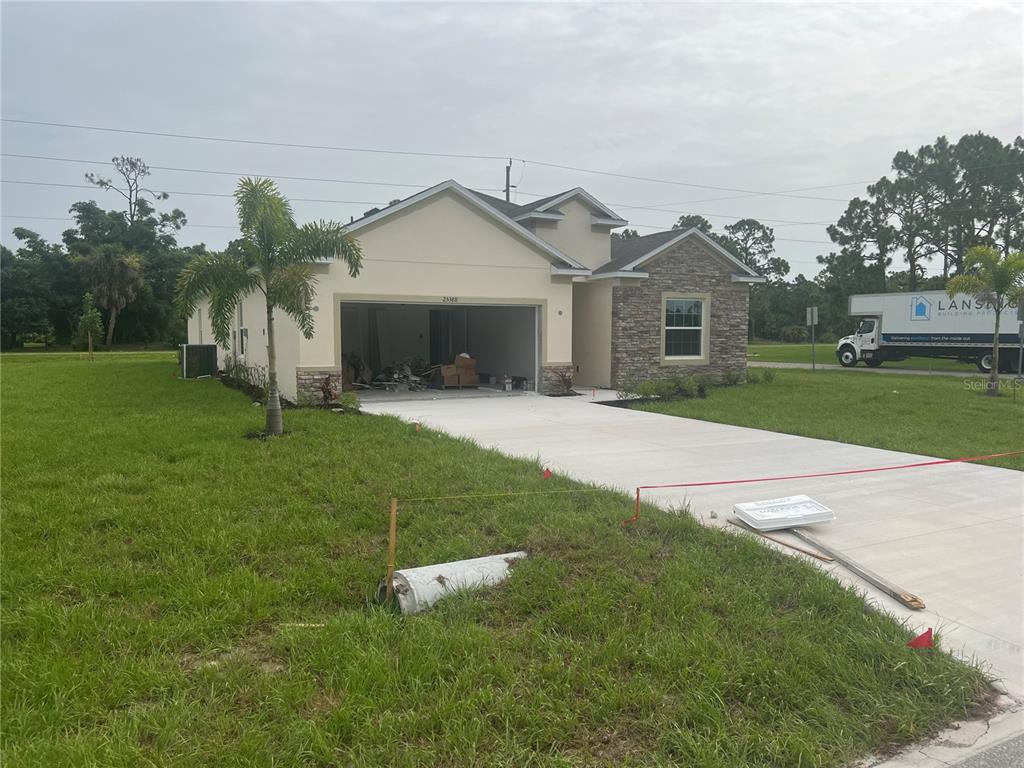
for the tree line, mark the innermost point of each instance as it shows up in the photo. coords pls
(127, 260)
(933, 207)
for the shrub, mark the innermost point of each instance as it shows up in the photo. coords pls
(348, 402)
(682, 387)
(703, 382)
(564, 381)
(328, 392)
(768, 375)
(658, 389)
(755, 375)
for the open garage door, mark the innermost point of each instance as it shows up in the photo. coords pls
(378, 338)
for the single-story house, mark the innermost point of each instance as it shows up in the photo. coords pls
(532, 291)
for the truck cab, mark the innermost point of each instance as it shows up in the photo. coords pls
(862, 345)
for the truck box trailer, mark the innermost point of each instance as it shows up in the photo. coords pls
(895, 326)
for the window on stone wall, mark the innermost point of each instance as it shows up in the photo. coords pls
(685, 328)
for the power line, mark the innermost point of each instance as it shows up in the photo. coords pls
(370, 183)
(653, 180)
(68, 218)
(844, 184)
(409, 153)
(716, 215)
(192, 194)
(412, 153)
(662, 228)
(236, 174)
(291, 145)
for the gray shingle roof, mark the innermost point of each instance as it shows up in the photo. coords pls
(498, 203)
(514, 209)
(625, 252)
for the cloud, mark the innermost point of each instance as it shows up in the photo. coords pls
(756, 96)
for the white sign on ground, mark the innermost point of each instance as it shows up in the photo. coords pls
(786, 512)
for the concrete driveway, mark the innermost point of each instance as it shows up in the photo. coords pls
(951, 534)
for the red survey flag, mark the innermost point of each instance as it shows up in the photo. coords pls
(547, 473)
(924, 640)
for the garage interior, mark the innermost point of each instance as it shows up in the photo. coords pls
(379, 340)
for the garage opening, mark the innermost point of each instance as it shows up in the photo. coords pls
(390, 345)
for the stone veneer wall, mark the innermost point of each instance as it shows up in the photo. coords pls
(550, 382)
(637, 324)
(307, 384)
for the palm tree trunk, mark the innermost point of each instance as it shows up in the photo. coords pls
(275, 421)
(110, 326)
(993, 375)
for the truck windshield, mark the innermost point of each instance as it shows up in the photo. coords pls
(866, 326)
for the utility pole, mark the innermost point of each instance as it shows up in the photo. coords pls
(508, 181)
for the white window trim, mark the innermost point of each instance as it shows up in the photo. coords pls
(705, 335)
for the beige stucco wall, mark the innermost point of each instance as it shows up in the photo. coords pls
(575, 236)
(442, 251)
(592, 333)
(254, 317)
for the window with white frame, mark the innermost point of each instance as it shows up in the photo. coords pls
(684, 328)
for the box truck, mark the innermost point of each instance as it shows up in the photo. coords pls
(895, 326)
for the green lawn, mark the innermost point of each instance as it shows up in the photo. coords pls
(154, 557)
(826, 353)
(933, 415)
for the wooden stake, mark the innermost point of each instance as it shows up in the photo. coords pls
(392, 544)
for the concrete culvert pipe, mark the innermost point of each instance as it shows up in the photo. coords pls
(417, 589)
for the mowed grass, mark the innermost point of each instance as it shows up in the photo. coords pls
(176, 594)
(939, 416)
(826, 354)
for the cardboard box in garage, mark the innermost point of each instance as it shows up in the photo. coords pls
(468, 379)
(449, 370)
(465, 363)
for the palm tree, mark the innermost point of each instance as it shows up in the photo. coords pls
(275, 257)
(996, 279)
(115, 277)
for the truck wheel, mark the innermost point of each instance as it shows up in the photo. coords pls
(847, 357)
(984, 363)
(873, 363)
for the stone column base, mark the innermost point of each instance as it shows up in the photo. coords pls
(551, 382)
(308, 381)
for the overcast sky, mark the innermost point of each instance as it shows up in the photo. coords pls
(762, 97)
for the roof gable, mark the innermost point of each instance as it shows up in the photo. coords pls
(551, 203)
(482, 204)
(634, 252)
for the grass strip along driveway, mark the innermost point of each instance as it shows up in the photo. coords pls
(157, 562)
(935, 416)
